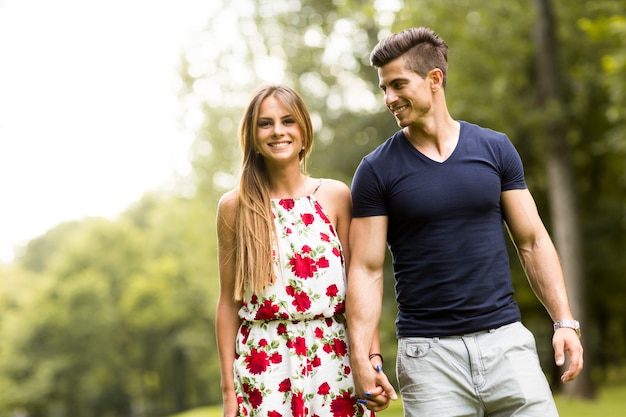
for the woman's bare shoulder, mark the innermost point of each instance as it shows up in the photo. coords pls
(227, 206)
(334, 195)
(333, 187)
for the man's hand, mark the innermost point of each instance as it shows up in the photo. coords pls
(564, 341)
(373, 387)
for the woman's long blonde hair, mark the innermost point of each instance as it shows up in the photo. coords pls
(254, 225)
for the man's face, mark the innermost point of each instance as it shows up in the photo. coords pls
(407, 95)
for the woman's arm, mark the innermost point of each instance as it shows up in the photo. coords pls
(227, 319)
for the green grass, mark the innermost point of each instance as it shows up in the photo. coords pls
(202, 412)
(611, 402)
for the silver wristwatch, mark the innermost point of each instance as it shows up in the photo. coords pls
(570, 324)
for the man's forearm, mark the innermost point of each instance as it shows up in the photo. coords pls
(545, 276)
(363, 310)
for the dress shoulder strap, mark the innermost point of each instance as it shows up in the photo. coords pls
(319, 183)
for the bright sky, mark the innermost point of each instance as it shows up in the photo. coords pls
(88, 107)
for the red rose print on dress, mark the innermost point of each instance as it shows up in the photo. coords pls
(322, 263)
(301, 301)
(285, 385)
(245, 332)
(316, 362)
(257, 362)
(324, 389)
(340, 308)
(267, 311)
(287, 203)
(320, 212)
(337, 346)
(307, 218)
(302, 267)
(276, 358)
(332, 290)
(319, 333)
(343, 406)
(298, 345)
(281, 329)
(297, 405)
(255, 397)
(340, 347)
(239, 399)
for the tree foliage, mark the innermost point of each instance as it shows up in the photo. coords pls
(116, 317)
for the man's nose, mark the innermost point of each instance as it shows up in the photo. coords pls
(390, 96)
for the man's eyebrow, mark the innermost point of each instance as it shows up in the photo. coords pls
(394, 81)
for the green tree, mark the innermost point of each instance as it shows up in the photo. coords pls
(121, 317)
(65, 345)
(598, 81)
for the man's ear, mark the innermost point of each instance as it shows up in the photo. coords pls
(436, 78)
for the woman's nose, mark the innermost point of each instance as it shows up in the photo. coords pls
(278, 131)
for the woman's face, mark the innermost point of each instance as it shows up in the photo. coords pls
(278, 136)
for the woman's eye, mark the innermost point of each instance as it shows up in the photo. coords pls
(289, 121)
(264, 123)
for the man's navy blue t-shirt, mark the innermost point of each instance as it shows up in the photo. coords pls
(445, 230)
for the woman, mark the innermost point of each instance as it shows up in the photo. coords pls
(282, 240)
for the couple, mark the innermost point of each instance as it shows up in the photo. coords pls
(296, 337)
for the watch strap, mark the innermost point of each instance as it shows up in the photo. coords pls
(569, 324)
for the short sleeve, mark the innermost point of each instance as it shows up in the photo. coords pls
(512, 168)
(367, 192)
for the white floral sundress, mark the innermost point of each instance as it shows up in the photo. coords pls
(292, 352)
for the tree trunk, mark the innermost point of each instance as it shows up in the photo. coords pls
(179, 380)
(561, 184)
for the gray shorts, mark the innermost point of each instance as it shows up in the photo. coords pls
(494, 373)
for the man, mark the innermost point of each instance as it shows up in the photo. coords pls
(437, 193)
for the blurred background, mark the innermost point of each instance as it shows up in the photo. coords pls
(118, 133)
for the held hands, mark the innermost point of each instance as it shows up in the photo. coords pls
(566, 340)
(372, 375)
